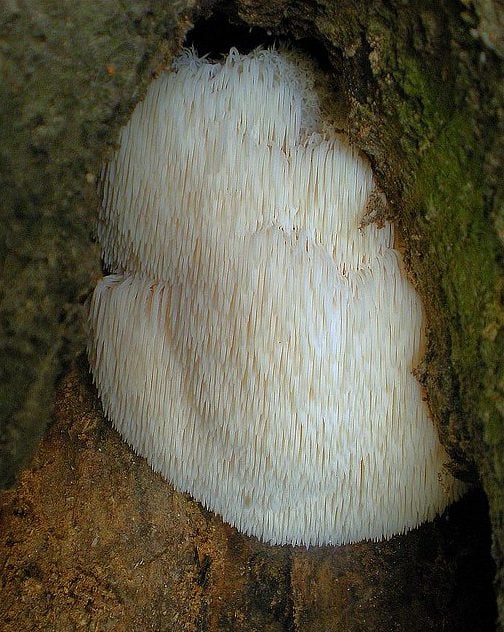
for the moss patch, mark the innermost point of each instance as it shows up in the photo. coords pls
(458, 271)
(448, 208)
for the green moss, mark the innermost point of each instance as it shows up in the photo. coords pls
(458, 268)
(459, 274)
(462, 250)
(424, 110)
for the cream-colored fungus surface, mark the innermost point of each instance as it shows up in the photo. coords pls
(254, 344)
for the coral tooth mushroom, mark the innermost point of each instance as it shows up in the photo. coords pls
(254, 344)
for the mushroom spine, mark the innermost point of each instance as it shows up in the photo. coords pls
(253, 343)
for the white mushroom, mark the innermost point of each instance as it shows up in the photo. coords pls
(255, 345)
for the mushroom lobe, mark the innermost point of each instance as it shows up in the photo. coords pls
(253, 343)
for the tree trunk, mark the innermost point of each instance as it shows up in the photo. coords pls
(422, 84)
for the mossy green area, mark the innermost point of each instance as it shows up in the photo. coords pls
(458, 271)
(460, 275)
(447, 213)
(460, 262)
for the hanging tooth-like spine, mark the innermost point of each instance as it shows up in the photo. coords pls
(255, 324)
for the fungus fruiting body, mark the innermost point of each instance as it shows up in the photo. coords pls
(253, 343)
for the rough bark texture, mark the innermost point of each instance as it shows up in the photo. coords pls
(424, 92)
(71, 72)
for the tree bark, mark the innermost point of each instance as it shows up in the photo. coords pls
(423, 91)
